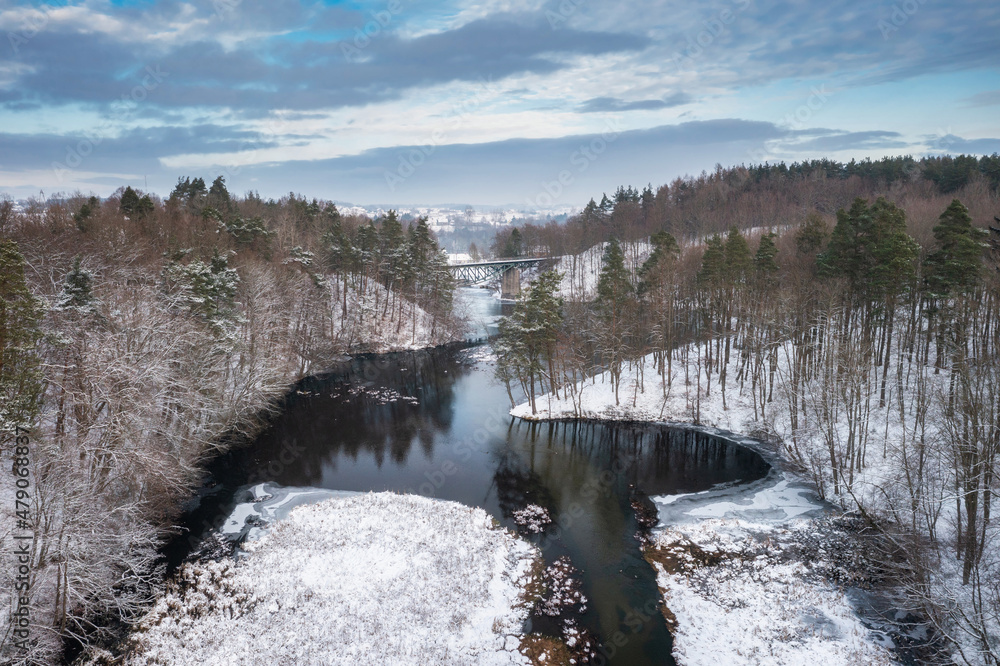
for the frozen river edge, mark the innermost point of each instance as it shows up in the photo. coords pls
(759, 573)
(762, 573)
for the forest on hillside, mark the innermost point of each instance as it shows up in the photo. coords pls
(140, 337)
(857, 319)
(765, 196)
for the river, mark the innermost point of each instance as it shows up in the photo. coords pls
(436, 423)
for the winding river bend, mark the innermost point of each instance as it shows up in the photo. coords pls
(435, 423)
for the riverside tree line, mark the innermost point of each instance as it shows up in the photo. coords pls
(140, 337)
(866, 345)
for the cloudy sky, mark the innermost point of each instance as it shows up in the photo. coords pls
(524, 102)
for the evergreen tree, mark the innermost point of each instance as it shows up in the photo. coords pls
(84, 215)
(20, 314)
(870, 248)
(893, 252)
(956, 264)
(665, 251)
(657, 283)
(218, 195)
(592, 215)
(134, 206)
(338, 252)
(76, 287)
(181, 189)
(515, 246)
(615, 301)
(366, 251)
(197, 189)
(844, 255)
(713, 262)
(337, 246)
(391, 247)
(422, 245)
(129, 203)
(526, 346)
(613, 286)
(647, 200)
(738, 259)
(207, 289)
(764, 261)
(245, 231)
(606, 206)
(810, 237)
(190, 192)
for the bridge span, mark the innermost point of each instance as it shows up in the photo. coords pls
(483, 271)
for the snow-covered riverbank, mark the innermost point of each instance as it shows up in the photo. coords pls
(742, 577)
(363, 579)
(745, 571)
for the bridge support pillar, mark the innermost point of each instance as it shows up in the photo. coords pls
(511, 284)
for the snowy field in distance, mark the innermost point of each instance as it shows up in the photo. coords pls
(366, 579)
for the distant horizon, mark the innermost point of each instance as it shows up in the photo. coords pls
(482, 208)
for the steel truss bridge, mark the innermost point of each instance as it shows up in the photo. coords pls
(483, 271)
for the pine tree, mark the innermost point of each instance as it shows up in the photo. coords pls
(738, 259)
(76, 287)
(218, 195)
(613, 285)
(129, 203)
(665, 251)
(366, 249)
(208, 290)
(339, 253)
(20, 314)
(134, 206)
(615, 300)
(83, 217)
(390, 247)
(893, 253)
(526, 345)
(956, 264)
(658, 284)
(245, 231)
(810, 237)
(764, 261)
(592, 215)
(606, 206)
(844, 255)
(870, 248)
(515, 246)
(713, 262)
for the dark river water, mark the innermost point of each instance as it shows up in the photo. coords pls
(436, 423)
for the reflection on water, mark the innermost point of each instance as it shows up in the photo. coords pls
(435, 423)
(482, 309)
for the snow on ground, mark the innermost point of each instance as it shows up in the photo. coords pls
(365, 579)
(728, 565)
(724, 557)
(595, 399)
(373, 327)
(580, 272)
